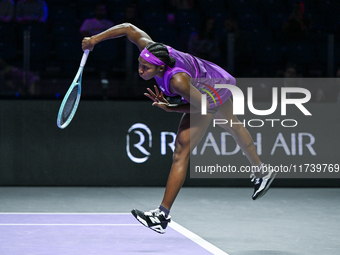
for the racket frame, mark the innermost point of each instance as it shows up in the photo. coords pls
(76, 82)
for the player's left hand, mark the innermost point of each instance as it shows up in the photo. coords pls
(158, 98)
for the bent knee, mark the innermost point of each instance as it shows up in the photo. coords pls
(182, 150)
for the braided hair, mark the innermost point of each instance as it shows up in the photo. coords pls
(160, 51)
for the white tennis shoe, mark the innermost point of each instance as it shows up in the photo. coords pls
(154, 219)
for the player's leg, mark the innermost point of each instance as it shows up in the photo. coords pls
(246, 143)
(190, 131)
(238, 132)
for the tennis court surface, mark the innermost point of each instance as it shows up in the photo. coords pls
(97, 220)
(93, 233)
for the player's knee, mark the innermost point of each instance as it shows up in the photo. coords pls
(181, 156)
(182, 151)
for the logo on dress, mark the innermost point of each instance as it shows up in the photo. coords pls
(211, 95)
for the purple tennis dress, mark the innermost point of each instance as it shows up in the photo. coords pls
(204, 76)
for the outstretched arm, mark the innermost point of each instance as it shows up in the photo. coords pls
(133, 33)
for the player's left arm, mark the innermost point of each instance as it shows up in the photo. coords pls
(180, 84)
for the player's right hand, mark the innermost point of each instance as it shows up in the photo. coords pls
(87, 44)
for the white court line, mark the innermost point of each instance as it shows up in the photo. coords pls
(197, 239)
(177, 227)
(72, 213)
(64, 224)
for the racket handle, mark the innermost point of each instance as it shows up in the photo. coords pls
(84, 58)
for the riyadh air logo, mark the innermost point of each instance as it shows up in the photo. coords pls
(138, 133)
(204, 97)
(139, 141)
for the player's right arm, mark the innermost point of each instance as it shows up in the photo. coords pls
(133, 33)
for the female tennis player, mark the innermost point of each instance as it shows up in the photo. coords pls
(175, 73)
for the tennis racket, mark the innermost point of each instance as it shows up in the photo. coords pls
(70, 102)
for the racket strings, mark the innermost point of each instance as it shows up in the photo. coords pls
(69, 105)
